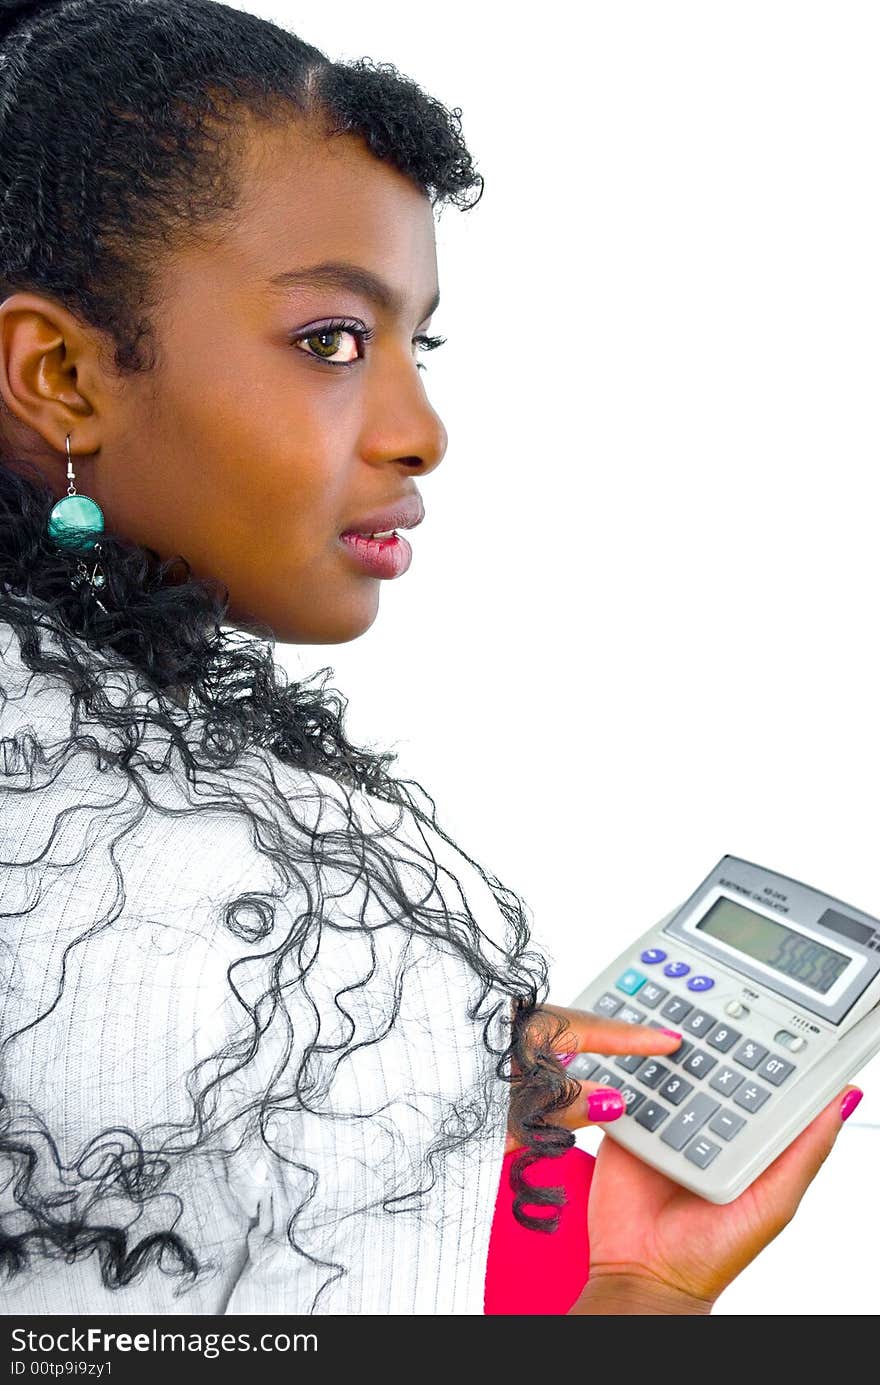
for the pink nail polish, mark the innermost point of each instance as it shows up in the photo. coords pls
(673, 1033)
(565, 1058)
(850, 1102)
(605, 1104)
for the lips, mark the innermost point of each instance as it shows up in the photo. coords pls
(403, 513)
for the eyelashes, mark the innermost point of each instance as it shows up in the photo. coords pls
(337, 328)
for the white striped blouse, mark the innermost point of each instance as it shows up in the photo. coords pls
(118, 943)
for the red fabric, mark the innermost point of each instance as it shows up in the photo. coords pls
(540, 1271)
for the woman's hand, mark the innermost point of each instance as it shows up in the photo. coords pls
(579, 1031)
(657, 1248)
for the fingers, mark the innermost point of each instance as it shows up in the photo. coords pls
(594, 1105)
(586, 1033)
(571, 1031)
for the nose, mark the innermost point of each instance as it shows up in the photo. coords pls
(403, 426)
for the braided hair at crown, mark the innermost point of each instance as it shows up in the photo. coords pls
(154, 93)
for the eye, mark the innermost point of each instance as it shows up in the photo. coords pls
(428, 344)
(323, 344)
(323, 341)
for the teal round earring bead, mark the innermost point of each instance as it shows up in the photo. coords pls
(72, 519)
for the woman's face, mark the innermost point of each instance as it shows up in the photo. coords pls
(246, 452)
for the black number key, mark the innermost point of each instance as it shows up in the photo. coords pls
(675, 1089)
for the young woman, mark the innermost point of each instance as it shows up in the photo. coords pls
(269, 1040)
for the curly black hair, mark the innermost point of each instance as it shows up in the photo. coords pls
(118, 123)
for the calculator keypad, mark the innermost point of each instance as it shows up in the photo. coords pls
(606, 1078)
(652, 955)
(687, 1122)
(630, 1061)
(630, 1014)
(630, 981)
(726, 1080)
(775, 1070)
(675, 1009)
(749, 1054)
(702, 1151)
(723, 1038)
(632, 1099)
(699, 1064)
(607, 1004)
(652, 1114)
(652, 1073)
(684, 1103)
(582, 1066)
(651, 995)
(726, 1124)
(699, 1023)
(750, 1096)
(675, 1089)
(676, 969)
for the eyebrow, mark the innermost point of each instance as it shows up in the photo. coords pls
(342, 274)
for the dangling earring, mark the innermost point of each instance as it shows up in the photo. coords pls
(72, 520)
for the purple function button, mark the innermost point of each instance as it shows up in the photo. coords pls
(652, 955)
(676, 969)
(700, 983)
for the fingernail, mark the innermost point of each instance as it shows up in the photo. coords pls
(850, 1102)
(605, 1104)
(673, 1033)
(565, 1058)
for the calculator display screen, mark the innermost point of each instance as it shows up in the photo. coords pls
(793, 954)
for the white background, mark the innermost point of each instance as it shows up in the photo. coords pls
(639, 630)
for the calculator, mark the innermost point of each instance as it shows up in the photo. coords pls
(775, 987)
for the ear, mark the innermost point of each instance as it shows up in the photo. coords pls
(50, 378)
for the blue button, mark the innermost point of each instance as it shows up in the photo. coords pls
(700, 983)
(630, 981)
(652, 955)
(676, 969)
